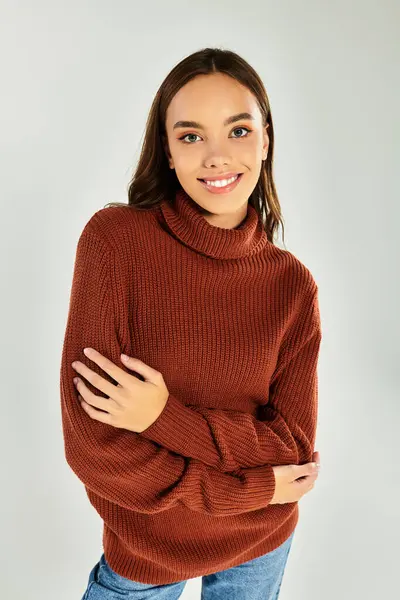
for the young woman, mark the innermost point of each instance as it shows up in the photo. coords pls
(196, 448)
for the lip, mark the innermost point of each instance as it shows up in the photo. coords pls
(212, 189)
(220, 177)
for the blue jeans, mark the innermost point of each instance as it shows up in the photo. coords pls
(257, 579)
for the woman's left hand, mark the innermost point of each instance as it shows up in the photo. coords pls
(132, 404)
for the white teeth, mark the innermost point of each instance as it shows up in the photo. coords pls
(221, 182)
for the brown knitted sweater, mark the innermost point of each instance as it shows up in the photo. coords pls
(232, 322)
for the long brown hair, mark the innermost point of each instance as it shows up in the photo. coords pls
(154, 181)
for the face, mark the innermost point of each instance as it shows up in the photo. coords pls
(212, 145)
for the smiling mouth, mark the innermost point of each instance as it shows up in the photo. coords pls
(238, 175)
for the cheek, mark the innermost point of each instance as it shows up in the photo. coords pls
(252, 150)
(187, 160)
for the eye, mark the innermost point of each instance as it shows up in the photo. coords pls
(187, 135)
(236, 129)
(243, 129)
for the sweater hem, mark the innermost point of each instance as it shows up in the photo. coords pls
(145, 570)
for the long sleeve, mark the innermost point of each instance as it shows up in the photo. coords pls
(285, 431)
(116, 464)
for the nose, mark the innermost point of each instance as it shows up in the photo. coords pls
(217, 160)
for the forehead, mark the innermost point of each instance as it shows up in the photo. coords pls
(211, 98)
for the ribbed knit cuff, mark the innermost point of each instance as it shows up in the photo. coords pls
(261, 482)
(253, 490)
(175, 428)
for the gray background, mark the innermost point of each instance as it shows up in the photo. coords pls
(77, 81)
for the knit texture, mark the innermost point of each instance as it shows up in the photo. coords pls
(232, 322)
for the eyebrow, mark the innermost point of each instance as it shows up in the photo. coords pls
(228, 121)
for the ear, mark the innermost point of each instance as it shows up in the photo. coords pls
(266, 143)
(167, 152)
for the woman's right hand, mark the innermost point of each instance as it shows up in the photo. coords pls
(293, 481)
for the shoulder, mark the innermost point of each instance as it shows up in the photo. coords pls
(116, 225)
(296, 296)
(293, 276)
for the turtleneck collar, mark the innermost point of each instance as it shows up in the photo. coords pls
(185, 220)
